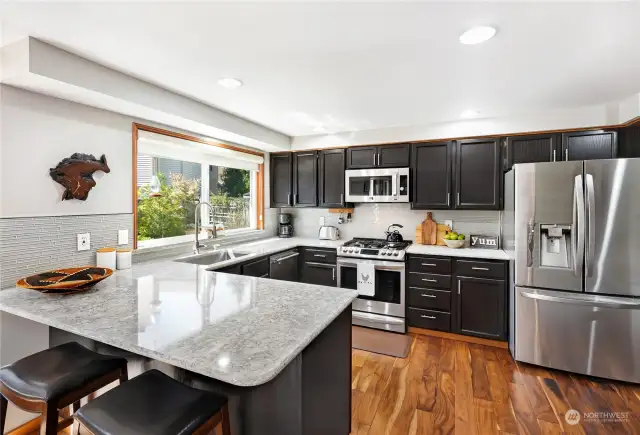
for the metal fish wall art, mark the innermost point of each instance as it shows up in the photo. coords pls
(75, 174)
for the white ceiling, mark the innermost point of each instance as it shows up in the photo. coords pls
(355, 66)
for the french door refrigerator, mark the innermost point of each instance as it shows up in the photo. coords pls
(575, 298)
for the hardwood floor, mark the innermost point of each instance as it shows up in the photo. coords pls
(451, 387)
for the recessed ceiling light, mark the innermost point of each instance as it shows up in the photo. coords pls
(476, 35)
(469, 114)
(230, 83)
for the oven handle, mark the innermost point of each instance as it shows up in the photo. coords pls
(379, 265)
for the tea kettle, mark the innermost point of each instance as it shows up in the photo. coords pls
(394, 236)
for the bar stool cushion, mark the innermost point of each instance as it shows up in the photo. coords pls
(54, 372)
(150, 404)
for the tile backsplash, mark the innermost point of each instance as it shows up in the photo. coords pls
(371, 220)
(35, 244)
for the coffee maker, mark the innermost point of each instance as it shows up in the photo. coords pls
(285, 228)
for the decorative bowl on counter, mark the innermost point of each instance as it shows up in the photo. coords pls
(66, 281)
(455, 244)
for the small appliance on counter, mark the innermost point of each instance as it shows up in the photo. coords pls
(328, 232)
(285, 228)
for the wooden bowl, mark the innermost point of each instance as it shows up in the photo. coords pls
(66, 281)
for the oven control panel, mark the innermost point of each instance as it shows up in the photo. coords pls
(382, 254)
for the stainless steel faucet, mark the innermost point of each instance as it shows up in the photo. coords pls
(214, 233)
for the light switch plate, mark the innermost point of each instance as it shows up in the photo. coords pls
(123, 237)
(449, 223)
(84, 242)
(321, 221)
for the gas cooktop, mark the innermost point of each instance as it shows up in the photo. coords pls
(374, 248)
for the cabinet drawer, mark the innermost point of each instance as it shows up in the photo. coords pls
(256, 268)
(428, 319)
(317, 255)
(429, 298)
(481, 269)
(429, 280)
(430, 265)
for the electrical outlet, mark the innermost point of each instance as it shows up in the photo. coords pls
(321, 221)
(123, 237)
(449, 223)
(84, 242)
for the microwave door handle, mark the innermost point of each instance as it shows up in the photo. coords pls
(394, 184)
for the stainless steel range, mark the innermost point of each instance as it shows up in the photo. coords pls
(376, 269)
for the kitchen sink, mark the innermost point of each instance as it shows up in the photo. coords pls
(213, 257)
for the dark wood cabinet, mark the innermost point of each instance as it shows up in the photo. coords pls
(629, 141)
(478, 174)
(394, 156)
(481, 305)
(589, 145)
(319, 273)
(382, 156)
(284, 266)
(259, 268)
(431, 167)
(331, 166)
(362, 157)
(531, 149)
(305, 177)
(280, 180)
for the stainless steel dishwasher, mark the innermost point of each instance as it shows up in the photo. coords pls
(284, 266)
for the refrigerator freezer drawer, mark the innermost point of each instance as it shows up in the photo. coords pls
(579, 333)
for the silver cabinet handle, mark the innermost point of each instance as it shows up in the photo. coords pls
(333, 273)
(459, 284)
(458, 199)
(429, 264)
(427, 296)
(323, 265)
(429, 280)
(554, 155)
(602, 302)
(342, 198)
(479, 268)
(266, 275)
(318, 255)
(590, 245)
(374, 159)
(566, 153)
(280, 260)
(427, 317)
(288, 199)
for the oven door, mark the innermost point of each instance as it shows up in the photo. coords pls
(377, 185)
(389, 298)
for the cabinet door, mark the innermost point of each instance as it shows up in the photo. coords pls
(331, 178)
(259, 268)
(431, 172)
(589, 145)
(393, 156)
(478, 174)
(319, 273)
(280, 180)
(532, 149)
(362, 157)
(305, 175)
(481, 307)
(629, 141)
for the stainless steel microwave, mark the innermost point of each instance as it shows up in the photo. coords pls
(377, 185)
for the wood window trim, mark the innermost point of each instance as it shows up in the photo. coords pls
(136, 127)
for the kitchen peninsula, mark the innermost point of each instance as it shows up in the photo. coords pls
(281, 351)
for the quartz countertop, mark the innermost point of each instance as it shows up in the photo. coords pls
(491, 254)
(236, 329)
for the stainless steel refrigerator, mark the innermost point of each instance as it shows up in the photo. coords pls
(574, 232)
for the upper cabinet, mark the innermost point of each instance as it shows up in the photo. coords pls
(629, 141)
(531, 149)
(589, 145)
(280, 180)
(382, 156)
(431, 166)
(478, 174)
(331, 166)
(305, 168)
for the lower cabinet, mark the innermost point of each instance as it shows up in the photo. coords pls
(481, 307)
(259, 268)
(318, 266)
(470, 300)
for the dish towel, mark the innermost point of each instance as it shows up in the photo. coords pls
(366, 279)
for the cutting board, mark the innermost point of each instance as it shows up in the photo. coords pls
(442, 230)
(429, 230)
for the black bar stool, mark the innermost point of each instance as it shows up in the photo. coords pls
(55, 378)
(155, 404)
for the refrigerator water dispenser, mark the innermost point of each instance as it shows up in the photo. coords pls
(555, 243)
